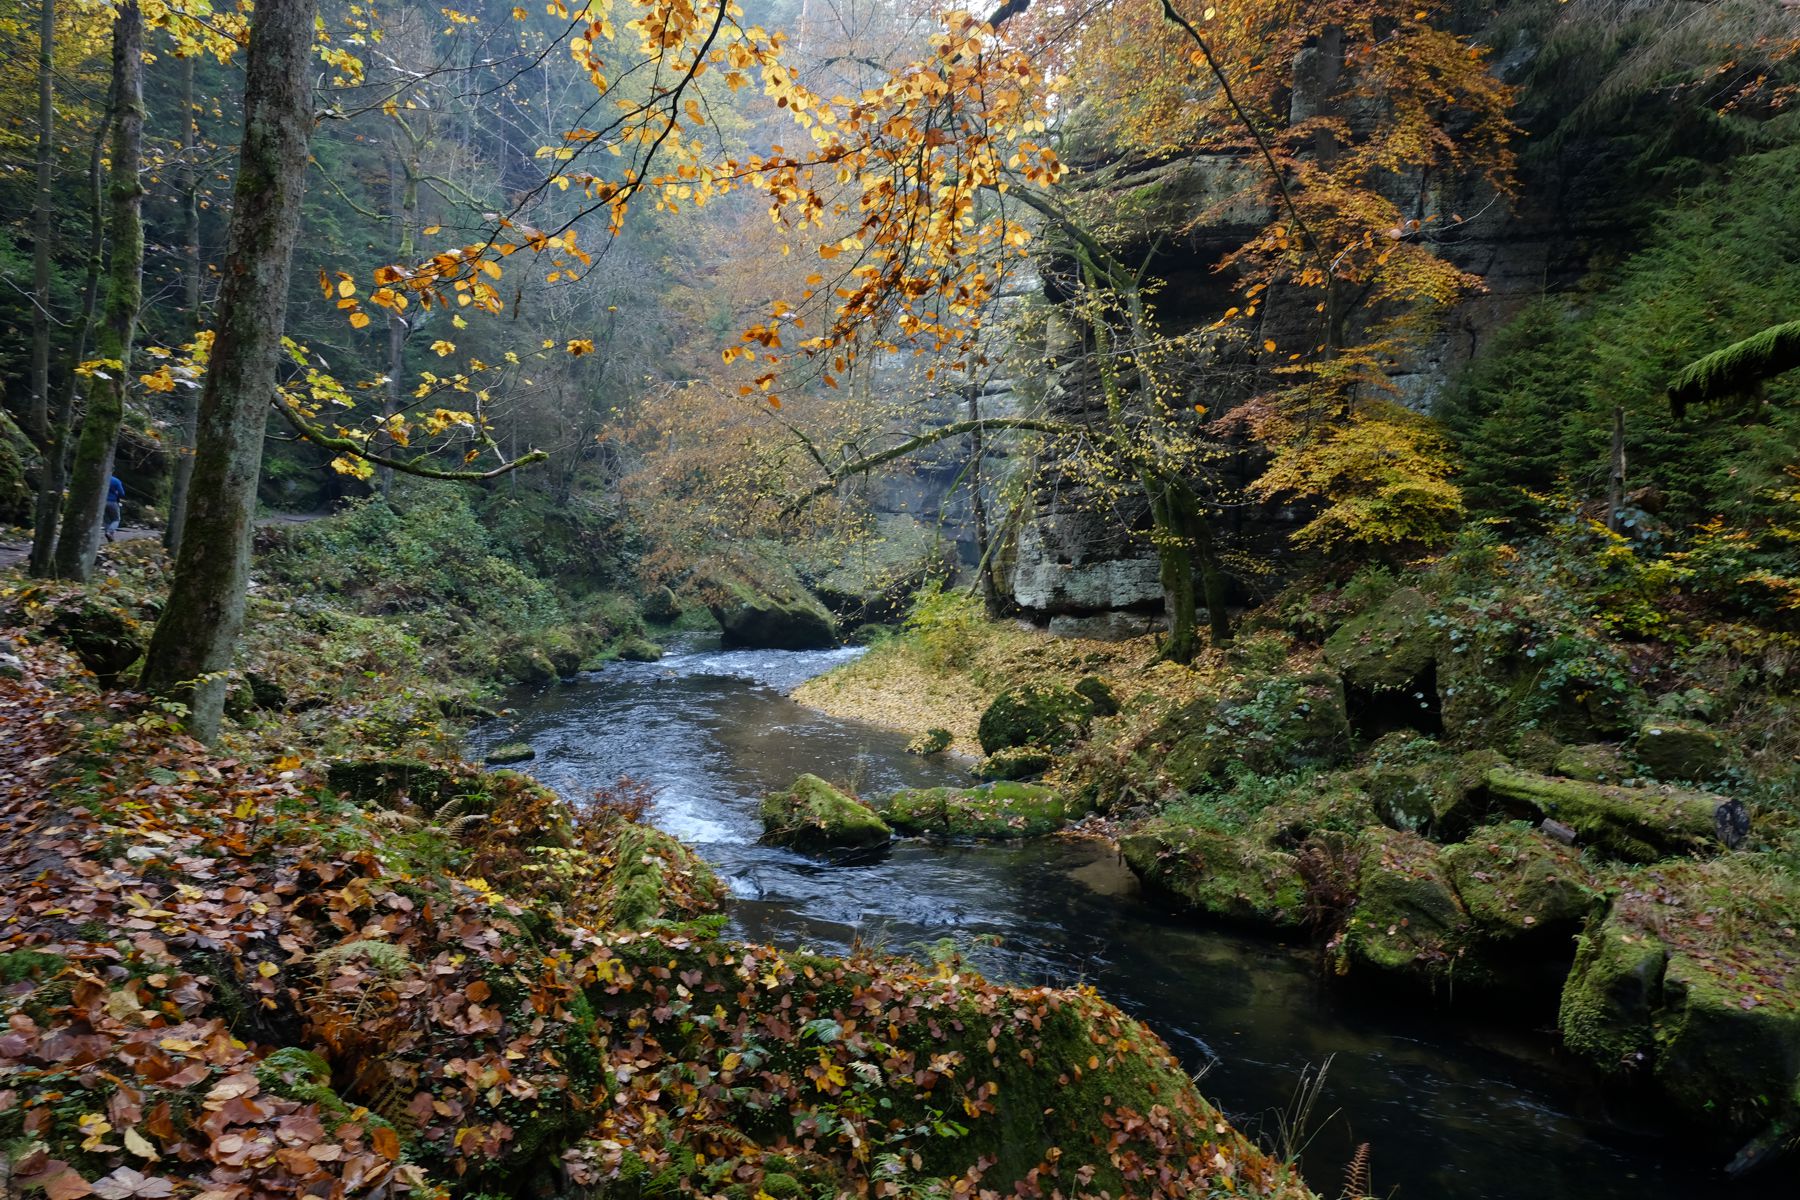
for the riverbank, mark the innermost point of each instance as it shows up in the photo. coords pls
(291, 962)
(1465, 790)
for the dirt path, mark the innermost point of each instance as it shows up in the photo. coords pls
(15, 545)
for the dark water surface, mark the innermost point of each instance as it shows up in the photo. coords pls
(1454, 1111)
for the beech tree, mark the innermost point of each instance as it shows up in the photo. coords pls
(192, 646)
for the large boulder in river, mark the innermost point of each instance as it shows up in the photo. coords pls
(814, 816)
(779, 615)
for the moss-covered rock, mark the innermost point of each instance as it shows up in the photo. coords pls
(776, 616)
(510, 752)
(16, 456)
(933, 741)
(1391, 647)
(637, 649)
(107, 638)
(1596, 762)
(638, 891)
(529, 665)
(1099, 694)
(1633, 824)
(1513, 880)
(812, 815)
(1270, 725)
(992, 811)
(1228, 877)
(661, 606)
(1407, 918)
(1695, 971)
(1045, 716)
(1019, 762)
(1678, 749)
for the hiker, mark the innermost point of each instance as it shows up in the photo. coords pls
(115, 502)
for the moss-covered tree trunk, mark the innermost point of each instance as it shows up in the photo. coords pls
(93, 464)
(56, 448)
(193, 643)
(190, 297)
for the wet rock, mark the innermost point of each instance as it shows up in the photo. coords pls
(529, 665)
(812, 816)
(511, 752)
(757, 617)
(1206, 871)
(1641, 824)
(1677, 749)
(1047, 716)
(992, 811)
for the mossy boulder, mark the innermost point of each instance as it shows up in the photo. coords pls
(529, 665)
(991, 811)
(1695, 973)
(564, 655)
(1047, 716)
(1678, 749)
(774, 616)
(637, 649)
(933, 741)
(16, 458)
(1429, 791)
(1596, 762)
(510, 752)
(1639, 824)
(1391, 647)
(661, 606)
(812, 815)
(639, 891)
(106, 638)
(1407, 918)
(1269, 725)
(1515, 881)
(1228, 877)
(1019, 762)
(1098, 694)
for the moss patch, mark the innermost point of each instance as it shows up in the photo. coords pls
(813, 815)
(992, 811)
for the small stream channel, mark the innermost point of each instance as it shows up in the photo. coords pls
(1454, 1110)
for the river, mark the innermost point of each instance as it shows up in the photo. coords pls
(1453, 1109)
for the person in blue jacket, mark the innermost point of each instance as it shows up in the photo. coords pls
(115, 501)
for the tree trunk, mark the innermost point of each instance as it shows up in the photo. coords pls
(56, 450)
(194, 640)
(37, 421)
(1615, 479)
(93, 465)
(190, 295)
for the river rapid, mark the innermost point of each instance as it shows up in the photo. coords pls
(1453, 1109)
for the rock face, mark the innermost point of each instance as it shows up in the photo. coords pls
(993, 811)
(764, 617)
(814, 816)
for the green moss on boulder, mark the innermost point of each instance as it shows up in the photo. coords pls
(1046, 716)
(1407, 918)
(1597, 762)
(1019, 762)
(812, 815)
(1633, 824)
(1610, 995)
(781, 615)
(1228, 877)
(510, 752)
(637, 649)
(992, 811)
(1391, 647)
(933, 741)
(1513, 880)
(1678, 749)
(1270, 725)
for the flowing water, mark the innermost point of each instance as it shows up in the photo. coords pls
(1454, 1110)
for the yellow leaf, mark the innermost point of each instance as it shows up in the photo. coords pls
(358, 320)
(1269, 345)
(140, 1145)
(346, 287)
(268, 970)
(443, 348)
